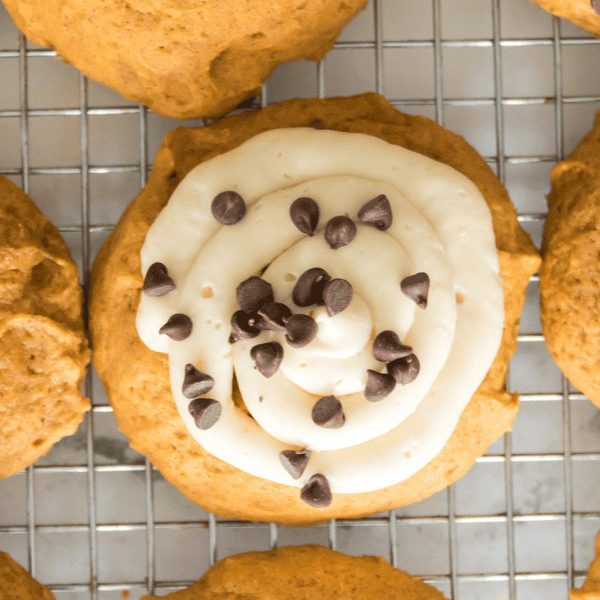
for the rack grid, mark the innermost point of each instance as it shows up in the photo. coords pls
(521, 523)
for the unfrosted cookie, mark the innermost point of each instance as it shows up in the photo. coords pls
(590, 590)
(17, 584)
(198, 58)
(43, 346)
(583, 13)
(137, 379)
(570, 272)
(300, 572)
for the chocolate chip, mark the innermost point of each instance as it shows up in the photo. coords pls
(317, 492)
(596, 6)
(242, 327)
(337, 295)
(157, 281)
(228, 208)
(328, 412)
(267, 357)
(404, 370)
(309, 287)
(295, 462)
(173, 175)
(301, 330)
(196, 383)
(387, 346)
(377, 212)
(274, 316)
(206, 412)
(339, 231)
(379, 385)
(304, 213)
(178, 327)
(253, 293)
(416, 287)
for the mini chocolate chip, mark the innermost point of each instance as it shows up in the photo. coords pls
(387, 346)
(274, 316)
(178, 327)
(295, 462)
(157, 281)
(267, 357)
(173, 175)
(206, 412)
(309, 287)
(337, 295)
(301, 330)
(379, 385)
(242, 327)
(304, 213)
(317, 492)
(376, 212)
(596, 6)
(328, 412)
(196, 383)
(228, 208)
(404, 370)
(253, 293)
(339, 231)
(416, 287)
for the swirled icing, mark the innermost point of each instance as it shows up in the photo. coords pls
(441, 226)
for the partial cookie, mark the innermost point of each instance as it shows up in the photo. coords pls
(583, 13)
(590, 590)
(43, 346)
(199, 58)
(300, 572)
(136, 379)
(570, 272)
(17, 584)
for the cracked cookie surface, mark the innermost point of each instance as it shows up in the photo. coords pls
(43, 346)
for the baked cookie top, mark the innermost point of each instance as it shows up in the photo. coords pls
(139, 388)
(299, 572)
(590, 590)
(43, 346)
(198, 58)
(569, 276)
(17, 584)
(583, 13)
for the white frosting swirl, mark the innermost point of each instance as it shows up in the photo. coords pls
(441, 226)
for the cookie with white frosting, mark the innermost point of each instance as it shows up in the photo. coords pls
(43, 345)
(299, 572)
(337, 307)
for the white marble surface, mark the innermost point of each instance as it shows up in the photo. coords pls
(463, 532)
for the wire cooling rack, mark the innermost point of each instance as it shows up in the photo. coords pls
(93, 519)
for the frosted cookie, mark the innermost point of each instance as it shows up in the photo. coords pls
(299, 572)
(198, 58)
(590, 590)
(583, 13)
(569, 276)
(315, 263)
(43, 346)
(17, 584)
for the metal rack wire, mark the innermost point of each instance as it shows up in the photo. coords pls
(443, 519)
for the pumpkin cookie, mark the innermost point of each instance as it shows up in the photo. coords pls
(583, 13)
(590, 590)
(569, 292)
(298, 572)
(338, 285)
(199, 58)
(43, 346)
